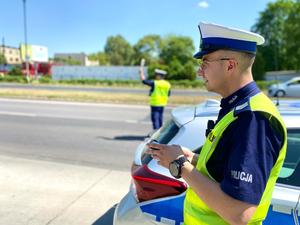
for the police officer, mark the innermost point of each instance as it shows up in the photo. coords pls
(159, 94)
(232, 178)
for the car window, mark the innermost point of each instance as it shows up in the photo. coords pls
(163, 136)
(290, 171)
(166, 133)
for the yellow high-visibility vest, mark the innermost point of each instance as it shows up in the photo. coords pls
(196, 212)
(159, 96)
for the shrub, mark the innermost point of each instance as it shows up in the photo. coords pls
(15, 71)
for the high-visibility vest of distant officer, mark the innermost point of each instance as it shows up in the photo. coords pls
(159, 95)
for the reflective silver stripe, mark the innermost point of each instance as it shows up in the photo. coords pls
(167, 221)
(150, 216)
(282, 209)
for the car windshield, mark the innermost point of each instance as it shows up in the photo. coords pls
(290, 171)
(162, 136)
(166, 133)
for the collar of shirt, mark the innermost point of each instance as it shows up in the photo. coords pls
(232, 100)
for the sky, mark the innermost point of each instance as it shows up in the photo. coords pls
(72, 26)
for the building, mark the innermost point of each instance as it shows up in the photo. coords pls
(77, 58)
(11, 54)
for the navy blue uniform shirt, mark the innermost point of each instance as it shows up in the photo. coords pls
(246, 152)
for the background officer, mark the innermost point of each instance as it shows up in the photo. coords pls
(232, 179)
(159, 94)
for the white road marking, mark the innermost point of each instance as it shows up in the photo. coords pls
(17, 114)
(6, 113)
(73, 103)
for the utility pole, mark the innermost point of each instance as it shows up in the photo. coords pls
(26, 43)
(3, 54)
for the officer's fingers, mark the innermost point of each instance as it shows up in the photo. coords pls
(154, 146)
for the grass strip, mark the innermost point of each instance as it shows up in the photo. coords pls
(99, 97)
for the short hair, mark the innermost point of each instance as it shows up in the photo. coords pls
(245, 59)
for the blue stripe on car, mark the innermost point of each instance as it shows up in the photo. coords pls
(277, 218)
(171, 209)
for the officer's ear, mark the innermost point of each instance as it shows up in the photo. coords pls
(232, 64)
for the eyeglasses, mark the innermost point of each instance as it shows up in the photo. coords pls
(203, 63)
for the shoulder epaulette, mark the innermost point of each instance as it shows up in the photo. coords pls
(243, 106)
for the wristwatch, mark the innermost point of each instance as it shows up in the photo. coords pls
(176, 166)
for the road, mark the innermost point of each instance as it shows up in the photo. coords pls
(59, 160)
(78, 133)
(145, 91)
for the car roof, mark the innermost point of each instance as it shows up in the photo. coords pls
(289, 109)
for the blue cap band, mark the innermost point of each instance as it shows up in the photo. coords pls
(215, 43)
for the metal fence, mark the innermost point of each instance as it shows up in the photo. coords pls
(96, 72)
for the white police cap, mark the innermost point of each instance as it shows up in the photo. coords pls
(160, 72)
(215, 37)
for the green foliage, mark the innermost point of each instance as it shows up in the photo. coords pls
(67, 61)
(258, 69)
(2, 59)
(187, 84)
(15, 71)
(292, 36)
(149, 48)
(14, 79)
(263, 85)
(189, 71)
(272, 25)
(175, 69)
(118, 50)
(156, 65)
(45, 79)
(177, 47)
(172, 53)
(119, 83)
(101, 57)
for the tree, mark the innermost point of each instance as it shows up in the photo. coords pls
(258, 69)
(15, 71)
(118, 50)
(175, 69)
(271, 25)
(2, 59)
(177, 47)
(292, 36)
(67, 61)
(156, 65)
(101, 57)
(149, 48)
(189, 71)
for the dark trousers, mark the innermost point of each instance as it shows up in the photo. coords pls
(157, 116)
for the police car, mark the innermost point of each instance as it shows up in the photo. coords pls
(155, 197)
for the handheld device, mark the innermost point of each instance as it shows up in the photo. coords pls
(154, 142)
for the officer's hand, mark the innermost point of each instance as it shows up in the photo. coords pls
(187, 153)
(165, 154)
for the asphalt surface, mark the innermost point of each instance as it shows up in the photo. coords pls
(78, 133)
(182, 92)
(66, 163)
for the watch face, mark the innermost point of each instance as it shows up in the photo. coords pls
(174, 169)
